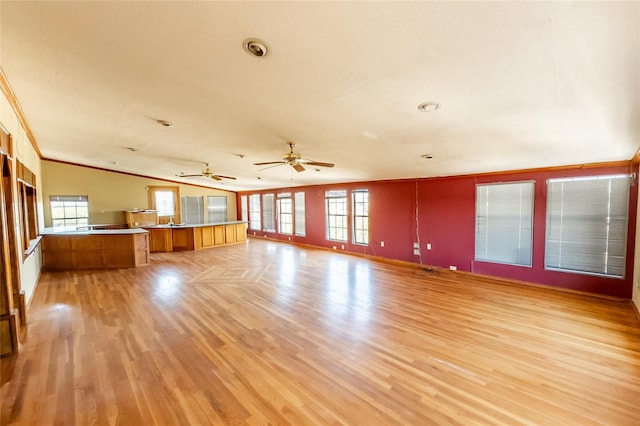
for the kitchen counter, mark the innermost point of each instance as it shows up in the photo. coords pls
(165, 238)
(94, 249)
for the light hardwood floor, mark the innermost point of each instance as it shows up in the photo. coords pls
(269, 333)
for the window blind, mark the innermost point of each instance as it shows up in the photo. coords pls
(268, 219)
(504, 222)
(300, 216)
(192, 210)
(587, 221)
(216, 208)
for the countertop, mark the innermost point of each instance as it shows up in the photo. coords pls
(53, 231)
(191, 225)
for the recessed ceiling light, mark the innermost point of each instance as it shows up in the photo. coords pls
(428, 106)
(255, 47)
(427, 156)
(164, 123)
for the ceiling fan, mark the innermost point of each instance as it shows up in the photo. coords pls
(295, 160)
(207, 172)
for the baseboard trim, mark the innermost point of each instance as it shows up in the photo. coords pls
(501, 280)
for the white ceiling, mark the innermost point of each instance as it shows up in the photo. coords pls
(520, 84)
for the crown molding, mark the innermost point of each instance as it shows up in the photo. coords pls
(13, 101)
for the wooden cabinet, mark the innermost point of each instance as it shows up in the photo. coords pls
(160, 240)
(241, 232)
(95, 250)
(195, 237)
(141, 218)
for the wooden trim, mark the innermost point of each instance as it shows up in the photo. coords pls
(636, 308)
(636, 157)
(13, 100)
(102, 169)
(177, 214)
(430, 268)
(621, 163)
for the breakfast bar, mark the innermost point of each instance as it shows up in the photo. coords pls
(165, 238)
(94, 249)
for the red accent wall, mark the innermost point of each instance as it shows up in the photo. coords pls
(441, 212)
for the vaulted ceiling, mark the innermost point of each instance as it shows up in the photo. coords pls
(518, 84)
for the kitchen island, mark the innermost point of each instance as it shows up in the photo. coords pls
(94, 249)
(164, 238)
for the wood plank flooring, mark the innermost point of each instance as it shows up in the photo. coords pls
(269, 333)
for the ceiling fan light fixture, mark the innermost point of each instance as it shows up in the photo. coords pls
(255, 47)
(428, 106)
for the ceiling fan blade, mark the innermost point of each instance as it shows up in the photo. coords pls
(269, 162)
(273, 165)
(215, 177)
(181, 175)
(223, 177)
(298, 167)
(319, 163)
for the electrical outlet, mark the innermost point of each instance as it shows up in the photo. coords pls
(381, 243)
(334, 247)
(416, 252)
(416, 245)
(453, 268)
(289, 238)
(428, 246)
(342, 246)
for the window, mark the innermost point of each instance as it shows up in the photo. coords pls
(254, 212)
(360, 216)
(285, 213)
(69, 211)
(217, 208)
(268, 218)
(504, 222)
(166, 201)
(587, 224)
(192, 209)
(336, 215)
(244, 208)
(300, 217)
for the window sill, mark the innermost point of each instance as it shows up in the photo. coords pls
(33, 244)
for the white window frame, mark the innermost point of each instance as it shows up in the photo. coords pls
(586, 234)
(284, 210)
(255, 213)
(360, 216)
(504, 222)
(337, 211)
(69, 202)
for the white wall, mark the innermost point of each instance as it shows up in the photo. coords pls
(24, 151)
